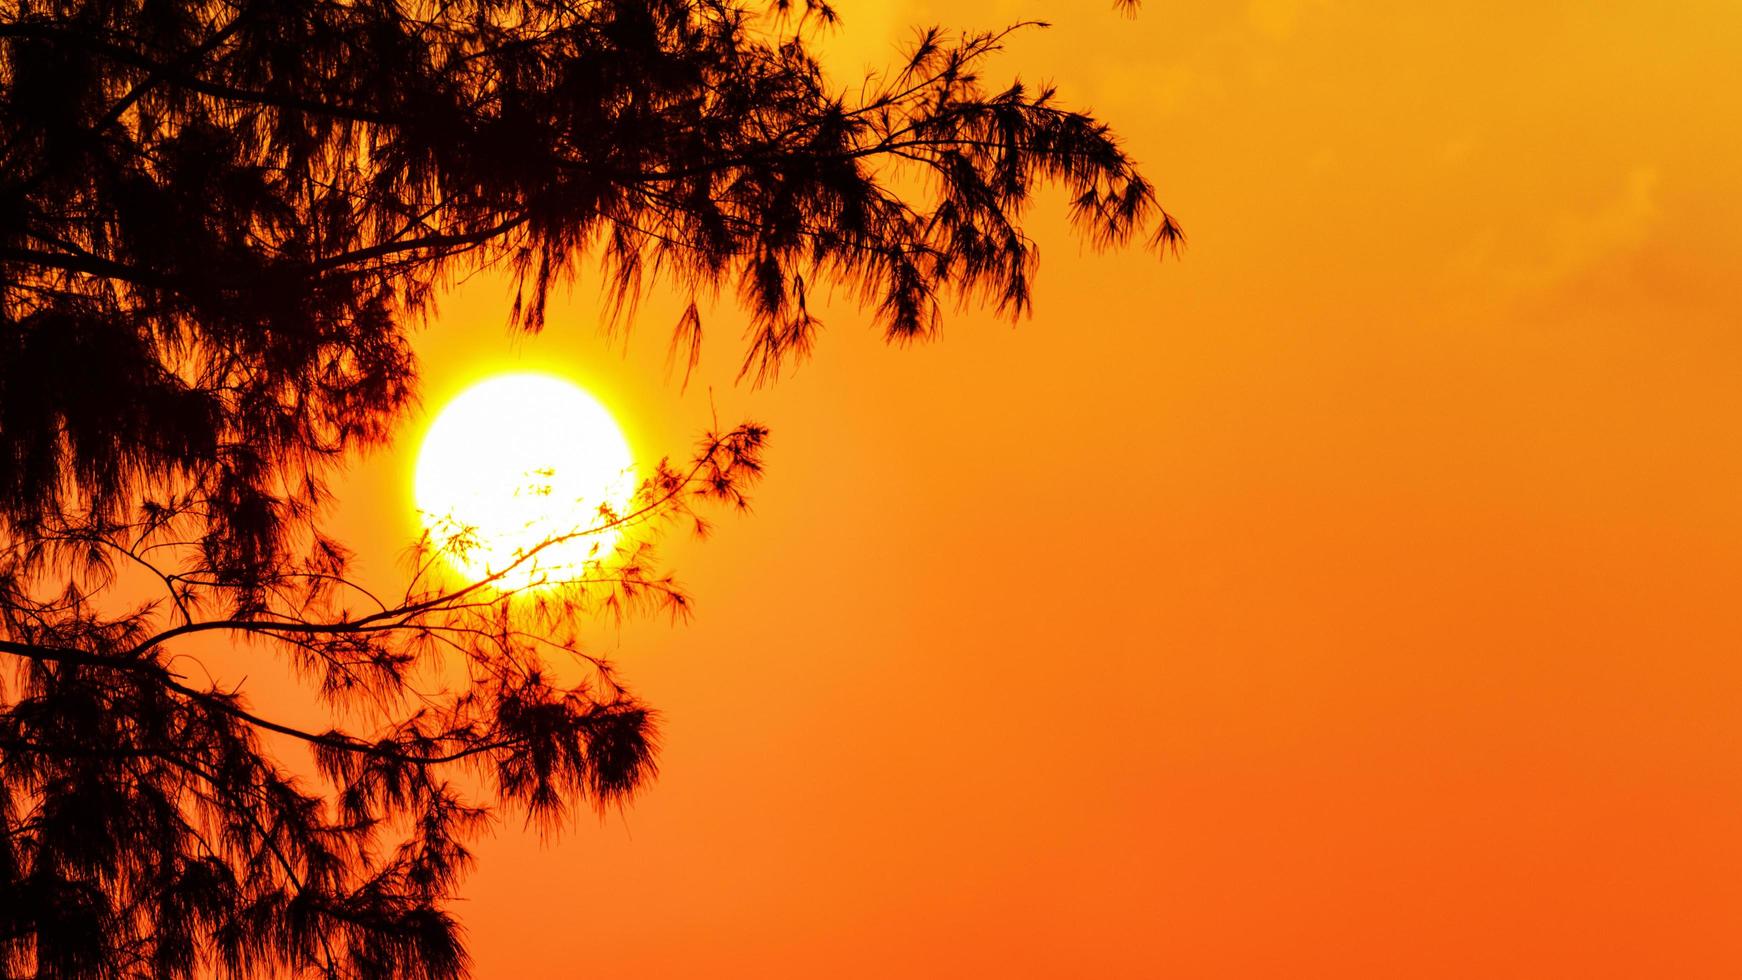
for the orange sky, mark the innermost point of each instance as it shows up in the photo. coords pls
(1353, 597)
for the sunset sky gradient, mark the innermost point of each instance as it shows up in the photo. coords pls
(1353, 596)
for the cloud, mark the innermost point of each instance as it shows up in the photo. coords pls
(1559, 250)
(1580, 241)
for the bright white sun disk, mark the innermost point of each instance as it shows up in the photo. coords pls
(515, 461)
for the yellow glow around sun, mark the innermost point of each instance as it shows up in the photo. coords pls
(519, 459)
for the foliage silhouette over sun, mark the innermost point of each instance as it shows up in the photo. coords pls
(219, 222)
(514, 460)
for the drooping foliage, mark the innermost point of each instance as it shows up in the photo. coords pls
(219, 222)
(155, 821)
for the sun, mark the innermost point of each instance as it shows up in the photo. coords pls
(517, 460)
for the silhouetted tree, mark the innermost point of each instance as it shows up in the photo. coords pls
(217, 222)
